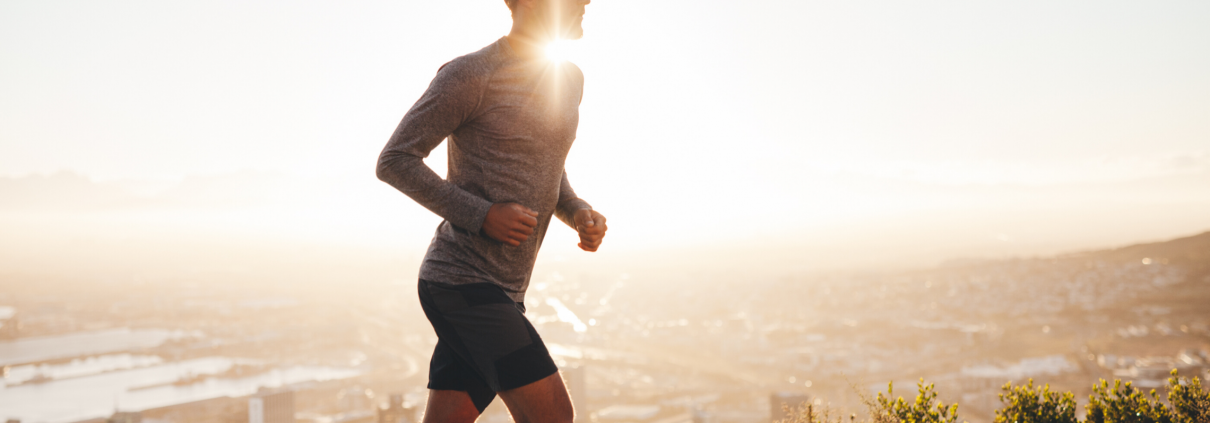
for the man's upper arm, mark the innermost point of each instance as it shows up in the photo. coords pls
(449, 102)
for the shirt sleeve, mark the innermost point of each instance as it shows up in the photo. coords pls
(449, 101)
(569, 203)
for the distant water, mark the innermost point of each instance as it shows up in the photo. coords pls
(76, 368)
(29, 350)
(96, 395)
(1027, 367)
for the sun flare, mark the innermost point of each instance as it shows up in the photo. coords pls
(558, 50)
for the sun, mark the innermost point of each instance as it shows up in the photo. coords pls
(558, 50)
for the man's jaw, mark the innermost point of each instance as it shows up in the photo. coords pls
(575, 31)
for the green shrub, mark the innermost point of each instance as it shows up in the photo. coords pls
(926, 408)
(1123, 403)
(1190, 404)
(1026, 404)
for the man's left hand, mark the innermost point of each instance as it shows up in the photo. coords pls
(591, 226)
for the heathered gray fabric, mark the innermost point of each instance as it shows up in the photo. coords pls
(510, 123)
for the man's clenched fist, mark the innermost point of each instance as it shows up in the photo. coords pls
(591, 226)
(510, 223)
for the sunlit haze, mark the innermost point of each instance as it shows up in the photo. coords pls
(863, 129)
(801, 196)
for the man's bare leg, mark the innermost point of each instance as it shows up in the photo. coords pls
(544, 401)
(449, 407)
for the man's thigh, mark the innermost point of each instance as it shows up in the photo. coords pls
(544, 401)
(487, 331)
(449, 372)
(447, 406)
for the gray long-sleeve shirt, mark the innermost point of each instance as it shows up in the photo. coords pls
(510, 122)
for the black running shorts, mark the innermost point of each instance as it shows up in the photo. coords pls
(484, 342)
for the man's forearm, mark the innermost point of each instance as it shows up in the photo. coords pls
(408, 174)
(569, 203)
(566, 210)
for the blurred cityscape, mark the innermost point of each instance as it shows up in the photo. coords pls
(650, 346)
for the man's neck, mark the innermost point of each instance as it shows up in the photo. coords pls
(527, 42)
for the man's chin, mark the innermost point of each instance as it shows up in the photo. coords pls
(574, 33)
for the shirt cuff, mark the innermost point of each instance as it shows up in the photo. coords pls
(469, 211)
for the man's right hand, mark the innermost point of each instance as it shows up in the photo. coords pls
(510, 223)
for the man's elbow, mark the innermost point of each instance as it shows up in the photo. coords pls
(383, 170)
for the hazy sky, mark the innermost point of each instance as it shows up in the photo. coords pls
(944, 125)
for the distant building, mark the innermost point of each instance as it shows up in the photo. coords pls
(271, 407)
(355, 398)
(221, 409)
(781, 400)
(395, 412)
(577, 386)
(125, 417)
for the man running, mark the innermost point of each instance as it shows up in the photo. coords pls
(510, 115)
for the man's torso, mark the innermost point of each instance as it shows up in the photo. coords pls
(511, 148)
